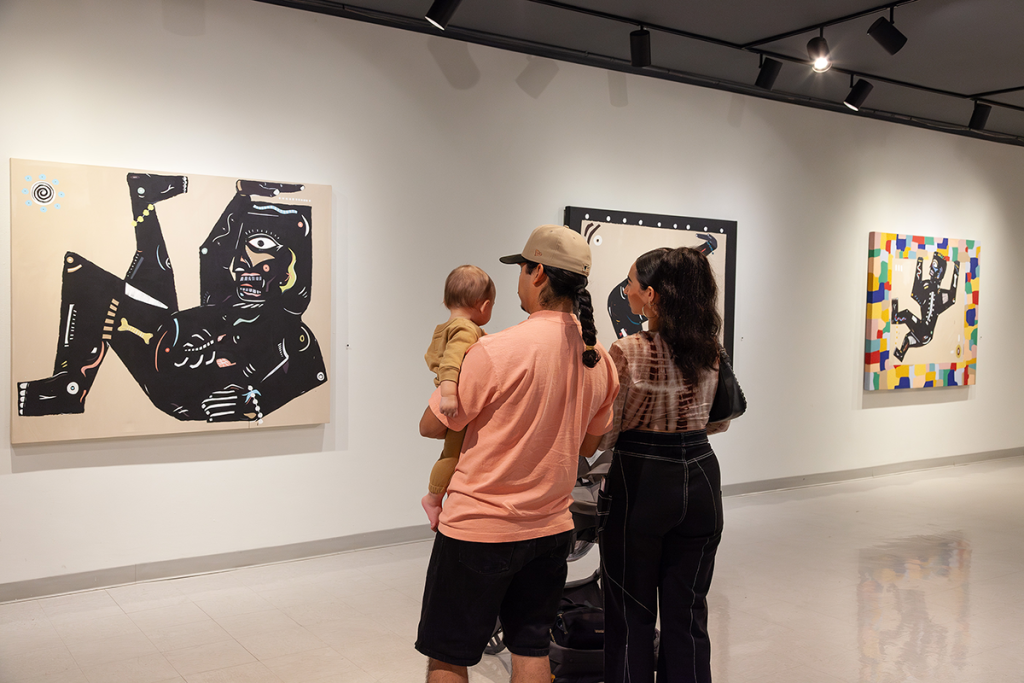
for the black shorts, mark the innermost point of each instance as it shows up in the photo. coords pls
(469, 585)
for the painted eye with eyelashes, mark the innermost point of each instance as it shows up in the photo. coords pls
(262, 242)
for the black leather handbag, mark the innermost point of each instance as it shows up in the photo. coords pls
(729, 401)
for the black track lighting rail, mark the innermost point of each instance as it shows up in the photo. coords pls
(825, 24)
(349, 11)
(749, 46)
(590, 58)
(992, 93)
(753, 46)
(980, 97)
(646, 24)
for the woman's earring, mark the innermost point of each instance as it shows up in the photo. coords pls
(643, 311)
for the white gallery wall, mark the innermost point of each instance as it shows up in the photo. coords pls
(441, 153)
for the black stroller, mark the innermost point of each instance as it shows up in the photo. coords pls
(577, 638)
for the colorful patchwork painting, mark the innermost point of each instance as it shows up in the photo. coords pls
(922, 312)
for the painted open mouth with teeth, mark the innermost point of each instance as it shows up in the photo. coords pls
(251, 286)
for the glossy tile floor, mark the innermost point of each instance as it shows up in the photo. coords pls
(912, 577)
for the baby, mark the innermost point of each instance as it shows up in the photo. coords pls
(469, 296)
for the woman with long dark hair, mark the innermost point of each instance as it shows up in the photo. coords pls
(661, 507)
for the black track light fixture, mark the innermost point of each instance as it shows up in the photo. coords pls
(770, 69)
(980, 116)
(886, 34)
(817, 51)
(640, 48)
(859, 92)
(440, 13)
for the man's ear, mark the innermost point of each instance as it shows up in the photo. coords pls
(538, 276)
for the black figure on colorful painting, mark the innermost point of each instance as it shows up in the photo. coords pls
(932, 300)
(624, 321)
(242, 353)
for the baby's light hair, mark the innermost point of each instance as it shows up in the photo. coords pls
(467, 286)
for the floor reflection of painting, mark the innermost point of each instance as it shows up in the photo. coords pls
(246, 350)
(616, 238)
(903, 635)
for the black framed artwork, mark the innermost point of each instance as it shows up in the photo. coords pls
(617, 238)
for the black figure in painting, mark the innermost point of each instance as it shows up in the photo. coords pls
(241, 354)
(932, 300)
(624, 321)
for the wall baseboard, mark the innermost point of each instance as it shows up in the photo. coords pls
(189, 566)
(865, 472)
(168, 569)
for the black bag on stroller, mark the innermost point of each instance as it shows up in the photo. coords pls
(584, 593)
(577, 638)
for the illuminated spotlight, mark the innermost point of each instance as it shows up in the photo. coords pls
(980, 116)
(440, 13)
(770, 69)
(887, 35)
(817, 52)
(858, 93)
(640, 48)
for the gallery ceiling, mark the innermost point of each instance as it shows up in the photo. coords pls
(958, 52)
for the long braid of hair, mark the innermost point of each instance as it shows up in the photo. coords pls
(563, 284)
(585, 312)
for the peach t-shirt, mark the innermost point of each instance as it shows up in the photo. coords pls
(526, 401)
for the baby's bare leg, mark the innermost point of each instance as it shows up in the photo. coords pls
(441, 475)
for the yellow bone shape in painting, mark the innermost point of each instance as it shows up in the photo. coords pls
(125, 327)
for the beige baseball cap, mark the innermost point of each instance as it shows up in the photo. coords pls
(556, 246)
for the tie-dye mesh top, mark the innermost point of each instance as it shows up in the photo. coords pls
(653, 395)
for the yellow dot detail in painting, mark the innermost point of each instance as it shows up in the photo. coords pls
(151, 207)
(134, 223)
(959, 350)
(302, 338)
(145, 212)
(140, 219)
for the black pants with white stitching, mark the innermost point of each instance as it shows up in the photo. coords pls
(661, 522)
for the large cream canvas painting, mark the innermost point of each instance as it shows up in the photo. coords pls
(155, 303)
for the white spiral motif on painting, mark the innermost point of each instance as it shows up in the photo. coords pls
(43, 192)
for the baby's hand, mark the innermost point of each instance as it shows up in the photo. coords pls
(449, 406)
